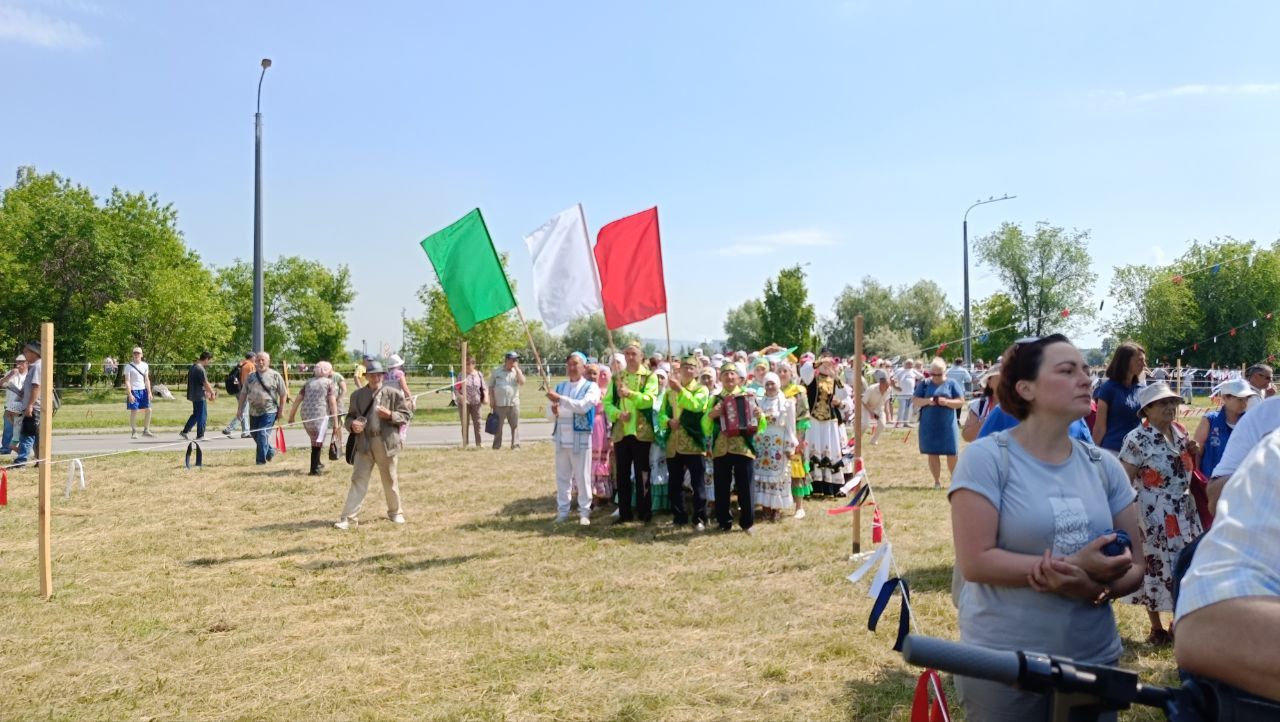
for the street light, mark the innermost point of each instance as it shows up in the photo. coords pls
(968, 342)
(259, 342)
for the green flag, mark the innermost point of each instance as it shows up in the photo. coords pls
(469, 270)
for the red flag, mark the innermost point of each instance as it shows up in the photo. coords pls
(629, 256)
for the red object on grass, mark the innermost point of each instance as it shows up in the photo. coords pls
(280, 440)
(629, 255)
(926, 707)
(877, 527)
(4, 487)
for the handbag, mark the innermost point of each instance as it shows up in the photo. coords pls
(333, 451)
(351, 438)
(492, 424)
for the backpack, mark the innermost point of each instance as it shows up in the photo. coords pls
(739, 416)
(232, 381)
(1002, 477)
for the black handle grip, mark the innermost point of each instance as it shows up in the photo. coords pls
(964, 659)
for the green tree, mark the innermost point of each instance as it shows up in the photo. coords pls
(171, 319)
(995, 322)
(590, 336)
(303, 311)
(876, 302)
(435, 338)
(1044, 273)
(886, 342)
(1213, 287)
(744, 326)
(786, 316)
(66, 256)
(550, 345)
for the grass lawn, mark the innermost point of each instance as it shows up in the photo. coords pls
(225, 594)
(104, 409)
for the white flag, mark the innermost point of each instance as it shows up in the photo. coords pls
(565, 281)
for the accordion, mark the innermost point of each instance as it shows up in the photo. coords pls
(739, 415)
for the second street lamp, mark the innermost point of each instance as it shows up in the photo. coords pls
(258, 340)
(968, 341)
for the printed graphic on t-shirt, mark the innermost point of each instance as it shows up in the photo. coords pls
(1070, 525)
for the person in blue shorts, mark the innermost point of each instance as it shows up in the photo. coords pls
(137, 384)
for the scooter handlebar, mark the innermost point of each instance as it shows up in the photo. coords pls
(963, 659)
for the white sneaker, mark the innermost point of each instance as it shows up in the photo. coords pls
(800, 514)
(133, 435)
(397, 519)
(584, 521)
(699, 527)
(147, 433)
(345, 524)
(227, 432)
(617, 514)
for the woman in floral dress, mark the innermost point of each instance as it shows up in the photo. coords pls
(771, 478)
(601, 449)
(319, 402)
(800, 486)
(1158, 456)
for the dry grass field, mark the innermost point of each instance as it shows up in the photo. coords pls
(224, 593)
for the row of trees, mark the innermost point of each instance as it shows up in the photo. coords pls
(113, 273)
(1044, 272)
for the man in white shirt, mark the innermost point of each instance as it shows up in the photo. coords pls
(12, 383)
(905, 380)
(137, 385)
(573, 404)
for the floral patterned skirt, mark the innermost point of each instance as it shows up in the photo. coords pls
(1169, 525)
(771, 485)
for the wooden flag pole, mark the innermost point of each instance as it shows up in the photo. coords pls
(460, 392)
(1178, 375)
(857, 425)
(596, 268)
(537, 357)
(44, 455)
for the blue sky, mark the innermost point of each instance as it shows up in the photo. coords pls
(849, 135)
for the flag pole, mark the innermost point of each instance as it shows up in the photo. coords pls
(666, 318)
(546, 375)
(596, 267)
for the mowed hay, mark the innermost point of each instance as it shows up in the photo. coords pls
(224, 593)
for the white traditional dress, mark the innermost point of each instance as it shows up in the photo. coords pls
(826, 438)
(771, 479)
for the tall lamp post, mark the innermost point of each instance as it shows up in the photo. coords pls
(258, 340)
(968, 342)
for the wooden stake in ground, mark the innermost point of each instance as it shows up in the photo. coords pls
(460, 393)
(857, 424)
(1178, 375)
(45, 439)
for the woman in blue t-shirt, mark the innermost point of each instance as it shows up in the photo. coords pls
(1118, 397)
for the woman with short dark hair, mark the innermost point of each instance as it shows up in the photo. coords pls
(1031, 511)
(1118, 397)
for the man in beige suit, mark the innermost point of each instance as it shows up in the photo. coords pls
(374, 417)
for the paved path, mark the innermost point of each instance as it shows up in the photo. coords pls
(102, 442)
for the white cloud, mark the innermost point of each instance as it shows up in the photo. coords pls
(745, 249)
(797, 237)
(770, 242)
(36, 28)
(1201, 89)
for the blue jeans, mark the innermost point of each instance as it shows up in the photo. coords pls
(261, 427)
(199, 417)
(6, 444)
(27, 444)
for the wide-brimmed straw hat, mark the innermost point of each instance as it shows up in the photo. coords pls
(1154, 392)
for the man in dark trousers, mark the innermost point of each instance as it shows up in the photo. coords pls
(199, 392)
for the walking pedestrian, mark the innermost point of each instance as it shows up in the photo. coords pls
(263, 395)
(199, 392)
(28, 444)
(318, 400)
(375, 414)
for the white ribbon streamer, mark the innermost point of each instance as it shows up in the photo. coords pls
(74, 466)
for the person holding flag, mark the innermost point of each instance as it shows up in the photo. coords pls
(629, 406)
(681, 411)
(573, 406)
